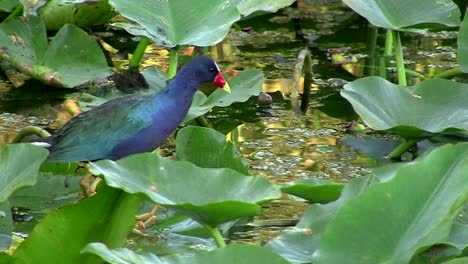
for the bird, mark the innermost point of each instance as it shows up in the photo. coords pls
(134, 123)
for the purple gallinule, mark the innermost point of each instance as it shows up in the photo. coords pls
(134, 123)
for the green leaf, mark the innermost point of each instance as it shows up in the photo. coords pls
(247, 7)
(6, 225)
(19, 167)
(208, 148)
(398, 14)
(431, 106)
(463, 45)
(71, 59)
(248, 83)
(314, 190)
(120, 255)
(181, 22)
(393, 220)
(232, 254)
(462, 260)
(57, 13)
(209, 196)
(92, 219)
(8, 5)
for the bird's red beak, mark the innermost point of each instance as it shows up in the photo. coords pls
(221, 82)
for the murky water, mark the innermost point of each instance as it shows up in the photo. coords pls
(280, 145)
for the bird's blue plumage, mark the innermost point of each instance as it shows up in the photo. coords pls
(131, 124)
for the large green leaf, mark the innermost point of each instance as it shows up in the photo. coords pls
(108, 216)
(398, 14)
(431, 106)
(393, 220)
(178, 22)
(209, 196)
(248, 83)
(231, 254)
(19, 167)
(247, 7)
(463, 45)
(208, 148)
(71, 59)
(6, 225)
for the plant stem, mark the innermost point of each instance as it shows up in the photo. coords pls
(173, 58)
(388, 43)
(139, 52)
(449, 73)
(202, 121)
(16, 13)
(30, 130)
(214, 231)
(303, 65)
(402, 148)
(117, 228)
(372, 33)
(399, 59)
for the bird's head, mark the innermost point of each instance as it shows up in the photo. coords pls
(207, 69)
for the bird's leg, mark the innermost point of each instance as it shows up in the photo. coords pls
(88, 187)
(145, 219)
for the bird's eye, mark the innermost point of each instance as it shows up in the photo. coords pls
(212, 69)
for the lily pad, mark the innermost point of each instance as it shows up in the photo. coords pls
(392, 221)
(245, 85)
(94, 219)
(314, 190)
(6, 225)
(71, 59)
(432, 106)
(19, 167)
(209, 196)
(399, 14)
(208, 148)
(121, 255)
(231, 254)
(182, 22)
(463, 45)
(247, 7)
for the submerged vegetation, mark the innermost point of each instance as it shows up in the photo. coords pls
(413, 210)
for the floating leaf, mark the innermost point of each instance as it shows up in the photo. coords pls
(121, 255)
(71, 59)
(209, 196)
(181, 22)
(392, 221)
(398, 14)
(208, 148)
(19, 167)
(247, 7)
(245, 85)
(93, 219)
(431, 106)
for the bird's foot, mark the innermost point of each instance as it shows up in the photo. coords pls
(144, 220)
(88, 185)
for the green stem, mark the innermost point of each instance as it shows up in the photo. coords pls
(402, 148)
(449, 73)
(117, 228)
(388, 43)
(202, 121)
(16, 13)
(303, 65)
(173, 58)
(399, 59)
(139, 52)
(372, 33)
(214, 231)
(31, 130)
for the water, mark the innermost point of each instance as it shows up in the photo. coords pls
(279, 145)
